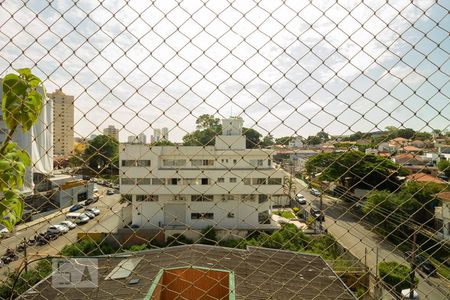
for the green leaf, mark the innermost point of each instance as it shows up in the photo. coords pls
(11, 209)
(24, 71)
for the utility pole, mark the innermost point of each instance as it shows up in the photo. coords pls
(321, 213)
(412, 274)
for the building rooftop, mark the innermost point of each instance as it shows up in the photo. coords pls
(445, 196)
(422, 177)
(258, 273)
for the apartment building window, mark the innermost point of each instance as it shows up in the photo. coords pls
(144, 181)
(230, 215)
(262, 198)
(275, 181)
(128, 181)
(234, 161)
(174, 181)
(202, 216)
(146, 198)
(202, 198)
(158, 181)
(227, 197)
(205, 181)
(264, 217)
(233, 180)
(179, 198)
(128, 163)
(202, 162)
(190, 181)
(269, 162)
(256, 162)
(143, 163)
(259, 181)
(249, 197)
(174, 162)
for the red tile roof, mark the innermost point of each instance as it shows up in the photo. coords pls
(445, 196)
(422, 177)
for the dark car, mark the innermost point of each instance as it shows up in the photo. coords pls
(317, 214)
(76, 207)
(422, 263)
(89, 201)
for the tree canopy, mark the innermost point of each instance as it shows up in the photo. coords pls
(102, 154)
(363, 170)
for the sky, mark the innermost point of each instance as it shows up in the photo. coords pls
(286, 67)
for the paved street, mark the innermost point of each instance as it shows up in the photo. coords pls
(356, 236)
(109, 207)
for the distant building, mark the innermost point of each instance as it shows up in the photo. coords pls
(165, 134)
(111, 131)
(442, 214)
(63, 122)
(137, 139)
(296, 142)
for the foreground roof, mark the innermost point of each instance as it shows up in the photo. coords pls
(259, 273)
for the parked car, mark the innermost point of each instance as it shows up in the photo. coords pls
(77, 218)
(110, 192)
(89, 201)
(406, 295)
(93, 210)
(76, 207)
(91, 215)
(69, 224)
(300, 199)
(315, 192)
(317, 214)
(57, 229)
(422, 263)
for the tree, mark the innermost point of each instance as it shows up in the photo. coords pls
(406, 133)
(206, 121)
(444, 166)
(285, 140)
(163, 143)
(363, 170)
(323, 136)
(313, 140)
(252, 138)
(102, 154)
(267, 141)
(21, 106)
(423, 136)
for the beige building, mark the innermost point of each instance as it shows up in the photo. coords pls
(63, 115)
(111, 131)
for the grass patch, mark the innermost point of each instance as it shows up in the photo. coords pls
(285, 214)
(441, 268)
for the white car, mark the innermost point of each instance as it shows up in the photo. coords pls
(77, 218)
(93, 210)
(89, 214)
(57, 229)
(68, 224)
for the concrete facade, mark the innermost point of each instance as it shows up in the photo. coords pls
(111, 131)
(63, 122)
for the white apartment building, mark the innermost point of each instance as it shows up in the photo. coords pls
(63, 122)
(111, 131)
(226, 185)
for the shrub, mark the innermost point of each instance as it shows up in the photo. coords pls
(209, 236)
(87, 247)
(138, 247)
(396, 275)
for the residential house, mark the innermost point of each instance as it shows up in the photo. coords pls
(443, 214)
